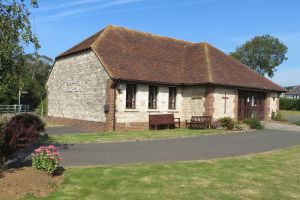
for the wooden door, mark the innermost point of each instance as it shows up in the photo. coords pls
(251, 105)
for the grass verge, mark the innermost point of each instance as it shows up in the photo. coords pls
(274, 175)
(125, 136)
(290, 112)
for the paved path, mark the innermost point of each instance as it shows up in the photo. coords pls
(281, 126)
(183, 149)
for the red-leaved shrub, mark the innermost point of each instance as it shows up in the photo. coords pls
(19, 132)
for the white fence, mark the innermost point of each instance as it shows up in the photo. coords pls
(14, 109)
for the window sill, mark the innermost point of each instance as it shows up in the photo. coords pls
(131, 110)
(173, 111)
(153, 111)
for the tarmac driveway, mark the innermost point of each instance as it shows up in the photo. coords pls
(183, 149)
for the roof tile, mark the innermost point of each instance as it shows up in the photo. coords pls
(138, 56)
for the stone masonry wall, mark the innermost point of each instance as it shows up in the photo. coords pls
(193, 99)
(76, 88)
(189, 101)
(273, 104)
(219, 103)
(126, 117)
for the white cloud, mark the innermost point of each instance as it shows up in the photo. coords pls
(70, 4)
(71, 13)
(82, 10)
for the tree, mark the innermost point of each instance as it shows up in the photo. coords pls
(262, 53)
(36, 71)
(15, 34)
(32, 77)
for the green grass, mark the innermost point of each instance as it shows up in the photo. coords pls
(126, 136)
(274, 175)
(290, 112)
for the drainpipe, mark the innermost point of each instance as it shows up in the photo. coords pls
(114, 110)
(115, 84)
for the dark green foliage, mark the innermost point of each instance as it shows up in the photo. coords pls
(262, 53)
(277, 116)
(15, 33)
(254, 123)
(289, 104)
(41, 108)
(19, 132)
(32, 78)
(297, 123)
(19, 71)
(227, 122)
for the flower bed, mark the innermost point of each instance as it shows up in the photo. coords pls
(46, 159)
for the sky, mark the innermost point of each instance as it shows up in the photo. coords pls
(225, 24)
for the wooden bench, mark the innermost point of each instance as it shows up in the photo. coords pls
(164, 120)
(199, 122)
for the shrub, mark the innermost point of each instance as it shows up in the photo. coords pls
(19, 132)
(277, 117)
(253, 123)
(216, 124)
(227, 122)
(297, 123)
(46, 159)
(289, 104)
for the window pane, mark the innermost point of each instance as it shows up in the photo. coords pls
(130, 95)
(152, 100)
(172, 97)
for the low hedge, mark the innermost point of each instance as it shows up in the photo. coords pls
(253, 123)
(289, 104)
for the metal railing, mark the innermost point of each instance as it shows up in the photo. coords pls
(14, 109)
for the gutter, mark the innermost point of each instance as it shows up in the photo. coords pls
(199, 84)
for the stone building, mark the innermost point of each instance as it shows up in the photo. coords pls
(114, 79)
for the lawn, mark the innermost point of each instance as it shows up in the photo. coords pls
(126, 136)
(290, 112)
(273, 175)
(291, 115)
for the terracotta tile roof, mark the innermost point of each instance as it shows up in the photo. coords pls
(138, 56)
(295, 91)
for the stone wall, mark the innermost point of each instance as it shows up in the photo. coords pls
(273, 104)
(219, 103)
(193, 99)
(141, 112)
(76, 88)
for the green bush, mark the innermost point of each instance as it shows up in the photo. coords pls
(297, 123)
(253, 123)
(278, 117)
(289, 104)
(227, 122)
(46, 159)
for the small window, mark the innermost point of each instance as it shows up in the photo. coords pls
(172, 98)
(152, 100)
(130, 96)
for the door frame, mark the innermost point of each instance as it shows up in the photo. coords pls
(251, 104)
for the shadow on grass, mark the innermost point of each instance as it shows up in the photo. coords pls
(22, 157)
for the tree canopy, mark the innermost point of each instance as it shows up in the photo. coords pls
(262, 53)
(32, 77)
(19, 71)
